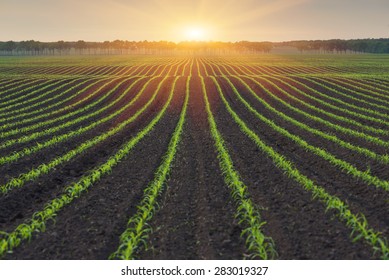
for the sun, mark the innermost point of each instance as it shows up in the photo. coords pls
(195, 33)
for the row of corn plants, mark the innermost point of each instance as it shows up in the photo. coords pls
(115, 71)
(16, 86)
(379, 120)
(42, 124)
(52, 120)
(20, 118)
(24, 71)
(342, 165)
(137, 232)
(361, 150)
(5, 83)
(38, 221)
(11, 114)
(97, 71)
(258, 244)
(336, 127)
(134, 71)
(15, 155)
(355, 92)
(103, 71)
(137, 69)
(128, 70)
(360, 229)
(27, 94)
(167, 68)
(147, 68)
(333, 138)
(34, 70)
(358, 133)
(45, 168)
(377, 83)
(366, 85)
(57, 139)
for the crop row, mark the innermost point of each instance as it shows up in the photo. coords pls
(34, 173)
(37, 125)
(55, 140)
(37, 223)
(288, 82)
(138, 230)
(356, 222)
(40, 113)
(329, 124)
(60, 138)
(344, 166)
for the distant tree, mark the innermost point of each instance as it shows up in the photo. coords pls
(80, 45)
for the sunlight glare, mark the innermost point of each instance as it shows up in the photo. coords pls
(195, 34)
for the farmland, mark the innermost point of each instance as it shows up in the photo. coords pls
(194, 157)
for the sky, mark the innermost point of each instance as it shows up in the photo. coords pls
(180, 20)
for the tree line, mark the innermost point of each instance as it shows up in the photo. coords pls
(341, 46)
(81, 47)
(32, 47)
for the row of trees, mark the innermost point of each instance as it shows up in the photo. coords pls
(129, 47)
(165, 47)
(341, 46)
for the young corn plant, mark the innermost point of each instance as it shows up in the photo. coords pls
(343, 103)
(258, 244)
(361, 150)
(342, 129)
(55, 140)
(61, 118)
(344, 166)
(15, 102)
(33, 174)
(19, 118)
(355, 96)
(356, 222)
(137, 233)
(37, 223)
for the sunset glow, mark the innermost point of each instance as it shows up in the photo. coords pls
(175, 20)
(195, 33)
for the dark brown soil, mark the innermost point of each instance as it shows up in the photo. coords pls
(196, 219)
(196, 214)
(297, 223)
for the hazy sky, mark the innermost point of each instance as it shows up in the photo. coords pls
(176, 20)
